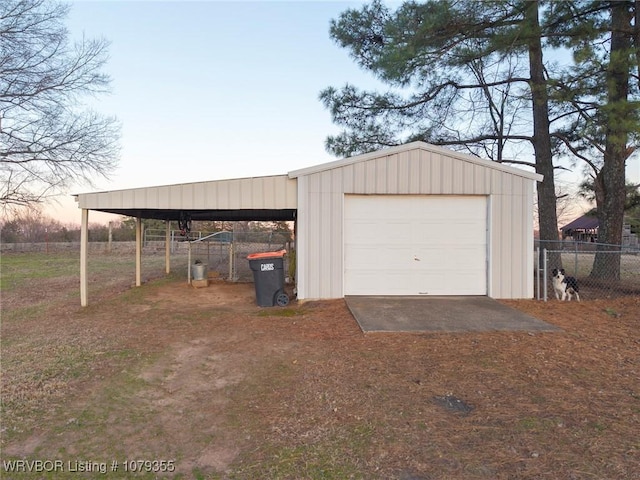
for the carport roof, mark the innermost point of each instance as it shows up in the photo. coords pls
(253, 198)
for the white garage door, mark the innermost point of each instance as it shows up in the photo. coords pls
(415, 245)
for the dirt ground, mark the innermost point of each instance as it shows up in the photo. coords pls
(220, 388)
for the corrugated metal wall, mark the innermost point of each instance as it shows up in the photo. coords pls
(274, 192)
(414, 171)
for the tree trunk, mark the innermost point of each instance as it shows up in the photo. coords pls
(606, 265)
(636, 38)
(547, 215)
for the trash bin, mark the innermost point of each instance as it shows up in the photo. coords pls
(268, 277)
(199, 271)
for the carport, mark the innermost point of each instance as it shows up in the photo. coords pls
(270, 198)
(415, 219)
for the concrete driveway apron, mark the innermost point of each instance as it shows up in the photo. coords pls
(440, 314)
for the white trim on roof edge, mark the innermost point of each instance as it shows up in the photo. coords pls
(414, 146)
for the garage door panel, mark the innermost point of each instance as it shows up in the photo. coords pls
(377, 258)
(467, 258)
(375, 234)
(467, 230)
(393, 282)
(364, 232)
(427, 255)
(453, 251)
(466, 283)
(446, 231)
(415, 245)
(443, 282)
(428, 283)
(437, 236)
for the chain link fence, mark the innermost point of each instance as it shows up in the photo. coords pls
(225, 253)
(601, 270)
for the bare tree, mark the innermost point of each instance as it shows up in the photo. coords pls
(48, 139)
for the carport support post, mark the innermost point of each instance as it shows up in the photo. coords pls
(189, 263)
(110, 239)
(84, 252)
(167, 247)
(138, 251)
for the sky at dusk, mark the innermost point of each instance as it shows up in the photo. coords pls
(210, 90)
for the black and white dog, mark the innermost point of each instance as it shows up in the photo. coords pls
(563, 286)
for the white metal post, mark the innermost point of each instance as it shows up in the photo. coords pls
(167, 247)
(84, 252)
(189, 263)
(138, 251)
(109, 245)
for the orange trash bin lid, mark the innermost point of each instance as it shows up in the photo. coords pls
(279, 253)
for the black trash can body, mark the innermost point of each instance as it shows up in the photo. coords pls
(268, 278)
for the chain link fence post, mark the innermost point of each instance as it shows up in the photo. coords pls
(537, 273)
(544, 272)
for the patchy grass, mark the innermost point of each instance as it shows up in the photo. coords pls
(228, 390)
(18, 269)
(332, 460)
(611, 312)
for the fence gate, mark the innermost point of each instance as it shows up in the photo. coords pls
(225, 253)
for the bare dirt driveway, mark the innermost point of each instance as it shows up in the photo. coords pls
(216, 387)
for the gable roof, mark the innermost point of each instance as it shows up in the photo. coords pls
(585, 222)
(415, 146)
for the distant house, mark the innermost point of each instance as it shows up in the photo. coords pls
(582, 229)
(585, 229)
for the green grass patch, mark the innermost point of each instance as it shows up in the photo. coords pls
(17, 269)
(537, 424)
(38, 377)
(112, 412)
(611, 312)
(38, 310)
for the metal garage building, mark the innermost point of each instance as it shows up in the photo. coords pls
(410, 220)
